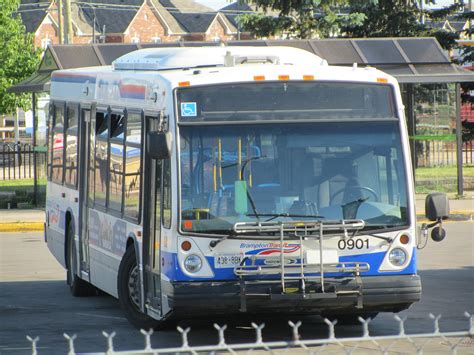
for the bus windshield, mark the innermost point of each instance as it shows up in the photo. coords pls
(284, 171)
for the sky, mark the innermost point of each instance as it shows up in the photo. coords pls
(215, 4)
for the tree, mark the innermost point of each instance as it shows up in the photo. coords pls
(387, 19)
(299, 18)
(18, 57)
(466, 58)
(467, 52)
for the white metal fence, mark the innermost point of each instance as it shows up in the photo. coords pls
(434, 341)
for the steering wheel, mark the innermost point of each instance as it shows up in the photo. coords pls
(354, 188)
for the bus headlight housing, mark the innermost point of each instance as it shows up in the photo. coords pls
(397, 256)
(193, 263)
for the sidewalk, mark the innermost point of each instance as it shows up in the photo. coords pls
(18, 220)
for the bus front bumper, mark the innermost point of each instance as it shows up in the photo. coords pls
(367, 294)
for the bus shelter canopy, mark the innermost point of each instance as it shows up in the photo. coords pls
(410, 60)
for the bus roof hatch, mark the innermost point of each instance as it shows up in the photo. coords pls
(185, 58)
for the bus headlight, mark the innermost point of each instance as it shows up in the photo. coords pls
(397, 256)
(193, 263)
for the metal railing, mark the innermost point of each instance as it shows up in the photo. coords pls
(447, 342)
(17, 161)
(307, 266)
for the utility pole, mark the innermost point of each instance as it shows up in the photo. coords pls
(470, 21)
(60, 20)
(422, 14)
(68, 20)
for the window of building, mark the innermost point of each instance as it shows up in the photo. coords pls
(45, 42)
(133, 141)
(70, 173)
(57, 151)
(116, 168)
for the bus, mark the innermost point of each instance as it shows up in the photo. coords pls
(230, 180)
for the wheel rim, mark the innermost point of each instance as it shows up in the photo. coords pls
(133, 287)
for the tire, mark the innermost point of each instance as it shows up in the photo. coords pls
(77, 286)
(350, 319)
(128, 287)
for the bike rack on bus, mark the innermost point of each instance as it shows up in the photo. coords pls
(301, 270)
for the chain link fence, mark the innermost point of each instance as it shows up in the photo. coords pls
(435, 341)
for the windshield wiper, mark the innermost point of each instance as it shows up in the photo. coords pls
(349, 210)
(276, 215)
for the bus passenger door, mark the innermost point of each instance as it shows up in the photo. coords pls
(85, 153)
(152, 224)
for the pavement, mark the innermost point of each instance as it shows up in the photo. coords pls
(22, 220)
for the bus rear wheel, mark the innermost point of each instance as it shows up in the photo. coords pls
(128, 287)
(77, 286)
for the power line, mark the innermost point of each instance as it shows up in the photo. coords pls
(130, 7)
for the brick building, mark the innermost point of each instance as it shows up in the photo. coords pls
(128, 21)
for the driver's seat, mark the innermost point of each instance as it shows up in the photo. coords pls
(336, 176)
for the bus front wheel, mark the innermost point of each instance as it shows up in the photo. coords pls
(128, 287)
(78, 286)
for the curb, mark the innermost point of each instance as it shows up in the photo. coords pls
(21, 226)
(455, 215)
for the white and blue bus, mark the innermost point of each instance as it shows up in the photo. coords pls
(225, 180)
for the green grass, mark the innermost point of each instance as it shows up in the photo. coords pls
(20, 183)
(441, 179)
(444, 172)
(435, 188)
(24, 191)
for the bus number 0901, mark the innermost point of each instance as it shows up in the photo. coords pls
(353, 243)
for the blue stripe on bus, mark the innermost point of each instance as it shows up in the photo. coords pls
(61, 78)
(172, 270)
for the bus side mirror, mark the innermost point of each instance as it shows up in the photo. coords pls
(436, 209)
(436, 206)
(159, 145)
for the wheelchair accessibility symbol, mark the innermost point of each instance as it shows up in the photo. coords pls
(188, 109)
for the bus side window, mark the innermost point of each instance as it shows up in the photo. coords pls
(133, 167)
(91, 166)
(70, 173)
(167, 193)
(57, 155)
(50, 140)
(117, 125)
(101, 158)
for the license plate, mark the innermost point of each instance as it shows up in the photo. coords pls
(313, 257)
(227, 261)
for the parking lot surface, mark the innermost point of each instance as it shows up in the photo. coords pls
(35, 301)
